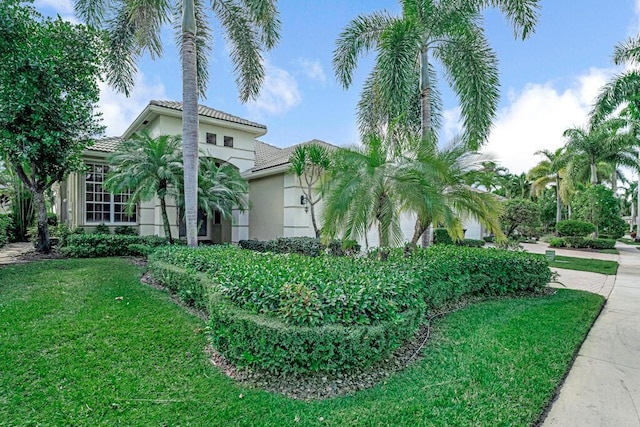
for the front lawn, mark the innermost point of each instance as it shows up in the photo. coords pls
(84, 343)
(585, 264)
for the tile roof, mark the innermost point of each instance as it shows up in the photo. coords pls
(107, 145)
(209, 112)
(268, 156)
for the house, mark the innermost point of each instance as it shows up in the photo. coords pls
(277, 206)
(274, 194)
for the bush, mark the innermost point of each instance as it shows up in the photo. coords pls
(557, 242)
(599, 206)
(441, 236)
(101, 228)
(575, 241)
(309, 246)
(104, 245)
(472, 243)
(600, 243)
(575, 228)
(296, 313)
(5, 224)
(52, 219)
(125, 230)
(489, 239)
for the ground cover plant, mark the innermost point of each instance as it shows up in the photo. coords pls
(293, 313)
(85, 348)
(585, 264)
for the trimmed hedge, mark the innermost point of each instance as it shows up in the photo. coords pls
(574, 228)
(582, 242)
(292, 313)
(557, 242)
(441, 236)
(105, 245)
(309, 246)
(472, 243)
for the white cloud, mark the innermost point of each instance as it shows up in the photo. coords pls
(312, 69)
(451, 125)
(119, 111)
(537, 117)
(279, 93)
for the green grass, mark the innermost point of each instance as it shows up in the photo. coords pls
(585, 264)
(83, 343)
(628, 241)
(609, 251)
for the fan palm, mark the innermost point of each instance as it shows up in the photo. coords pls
(551, 170)
(407, 46)
(134, 27)
(148, 167)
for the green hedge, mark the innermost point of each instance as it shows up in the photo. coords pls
(5, 226)
(582, 243)
(557, 242)
(297, 313)
(575, 228)
(309, 246)
(104, 245)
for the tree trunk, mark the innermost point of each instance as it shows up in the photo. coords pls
(165, 219)
(43, 243)
(614, 181)
(425, 110)
(594, 174)
(313, 220)
(558, 201)
(190, 121)
(633, 216)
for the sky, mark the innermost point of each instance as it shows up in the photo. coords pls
(548, 81)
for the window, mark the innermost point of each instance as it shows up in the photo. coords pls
(228, 141)
(100, 205)
(211, 138)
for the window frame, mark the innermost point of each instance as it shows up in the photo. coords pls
(111, 202)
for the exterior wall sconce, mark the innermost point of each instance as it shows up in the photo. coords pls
(303, 202)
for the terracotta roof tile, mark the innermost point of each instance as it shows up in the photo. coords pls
(209, 112)
(268, 156)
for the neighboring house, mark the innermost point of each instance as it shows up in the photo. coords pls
(276, 204)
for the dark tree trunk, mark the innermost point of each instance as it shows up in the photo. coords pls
(165, 219)
(43, 243)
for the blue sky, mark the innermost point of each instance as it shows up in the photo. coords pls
(548, 81)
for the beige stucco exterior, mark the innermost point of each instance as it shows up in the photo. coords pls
(266, 218)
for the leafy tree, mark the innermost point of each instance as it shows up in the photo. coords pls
(515, 186)
(519, 213)
(149, 167)
(597, 205)
(407, 48)
(48, 89)
(221, 188)
(134, 27)
(551, 170)
(310, 162)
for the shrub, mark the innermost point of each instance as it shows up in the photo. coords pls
(557, 242)
(5, 224)
(104, 245)
(599, 206)
(309, 246)
(472, 243)
(297, 313)
(600, 243)
(489, 239)
(575, 241)
(101, 228)
(441, 236)
(519, 215)
(125, 230)
(575, 228)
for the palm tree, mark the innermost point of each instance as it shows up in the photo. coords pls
(148, 167)
(631, 196)
(551, 170)
(133, 27)
(438, 192)
(221, 188)
(364, 192)
(407, 46)
(310, 162)
(516, 186)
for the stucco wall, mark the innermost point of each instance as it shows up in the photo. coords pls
(266, 196)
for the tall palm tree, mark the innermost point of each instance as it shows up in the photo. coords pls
(134, 27)
(148, 167)
(551, 170)
(407, 46)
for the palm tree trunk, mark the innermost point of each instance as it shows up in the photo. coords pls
(594, 174)
(558, 201)
(190, 121)
(43, 244)
(165, 219)
(614, 180)
(633, 216)
(425, 109)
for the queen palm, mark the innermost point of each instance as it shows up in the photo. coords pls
(407, 47)
(134, 27)
(148, 167)
(550, 170)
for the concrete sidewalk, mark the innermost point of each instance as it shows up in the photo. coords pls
(603, 386)
(10, 253)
